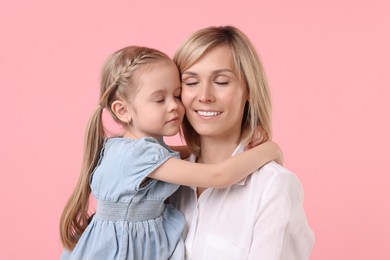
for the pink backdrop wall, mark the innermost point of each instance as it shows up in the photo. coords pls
(328, 66)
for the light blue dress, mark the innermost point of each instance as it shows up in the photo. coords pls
(131, 221)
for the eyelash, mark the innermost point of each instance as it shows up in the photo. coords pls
(221, 83)
(191, 84)
(216, 82)
(162, 100)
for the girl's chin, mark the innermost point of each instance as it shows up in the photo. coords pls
(171, 133)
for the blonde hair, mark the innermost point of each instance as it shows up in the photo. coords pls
(118, 81)
(247, 65)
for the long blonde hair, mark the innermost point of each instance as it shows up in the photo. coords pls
(257, 113)
(118, 81)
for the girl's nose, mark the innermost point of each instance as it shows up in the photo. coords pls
(174, 104)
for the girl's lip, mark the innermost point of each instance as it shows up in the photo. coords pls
(173, 119)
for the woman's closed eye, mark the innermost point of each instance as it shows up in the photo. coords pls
(190, 83)
(219, 82)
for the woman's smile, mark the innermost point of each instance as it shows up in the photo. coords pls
(208, 114)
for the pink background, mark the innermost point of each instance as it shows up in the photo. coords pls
(328, 66)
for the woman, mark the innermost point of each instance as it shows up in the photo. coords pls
(226, 97)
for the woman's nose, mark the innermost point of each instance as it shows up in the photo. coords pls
(206, 94)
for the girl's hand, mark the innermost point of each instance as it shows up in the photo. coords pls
(256, 139)
(275, 150)
(280, 158)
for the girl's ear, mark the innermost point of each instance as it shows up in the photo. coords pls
(121, 111)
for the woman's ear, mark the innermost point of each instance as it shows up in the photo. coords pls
(121, 111)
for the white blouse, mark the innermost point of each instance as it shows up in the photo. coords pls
(261, 217)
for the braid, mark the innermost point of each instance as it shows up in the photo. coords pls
(119, 73)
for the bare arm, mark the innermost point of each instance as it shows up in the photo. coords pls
(257, 139)
(217, 175)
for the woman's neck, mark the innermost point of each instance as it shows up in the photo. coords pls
(215, 150)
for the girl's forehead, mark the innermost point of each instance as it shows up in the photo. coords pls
(162, 76)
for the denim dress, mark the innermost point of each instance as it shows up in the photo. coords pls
(131, 220)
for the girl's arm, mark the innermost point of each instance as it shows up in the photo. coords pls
(223, 174)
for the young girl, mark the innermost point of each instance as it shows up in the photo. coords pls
(131, 176)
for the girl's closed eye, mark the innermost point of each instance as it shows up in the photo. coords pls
(177, 93)
(159, 99)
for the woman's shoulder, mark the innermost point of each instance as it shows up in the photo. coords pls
(278, 177)
(276, 170)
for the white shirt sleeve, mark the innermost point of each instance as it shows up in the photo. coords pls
(281, 230)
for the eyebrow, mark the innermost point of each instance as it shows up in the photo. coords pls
(160, 91)
(212, 73)
(163, 91)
